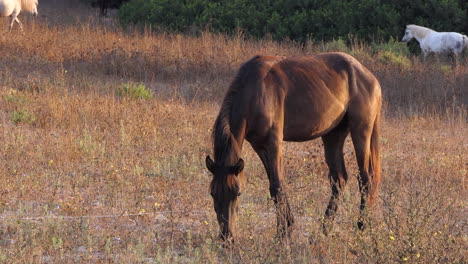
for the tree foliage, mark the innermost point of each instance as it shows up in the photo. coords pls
(299, 20)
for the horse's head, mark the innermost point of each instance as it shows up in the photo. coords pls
(225, 189)
(408, 35)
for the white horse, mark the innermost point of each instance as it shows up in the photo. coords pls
(12, 8)
(436, 42)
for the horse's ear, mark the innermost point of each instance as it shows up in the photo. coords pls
(210, 164)
(239, 166)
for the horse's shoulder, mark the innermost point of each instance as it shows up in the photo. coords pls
(260, 61)
(265, 58)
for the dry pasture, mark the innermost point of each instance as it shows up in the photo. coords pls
(89, 177)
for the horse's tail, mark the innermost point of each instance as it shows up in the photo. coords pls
(28, 5)
(375, 158)
(465, 41)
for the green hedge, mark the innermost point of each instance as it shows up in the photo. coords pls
(300, 20)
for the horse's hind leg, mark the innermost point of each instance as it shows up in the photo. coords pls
(333, 143)
(14, 18)
(361, 134)
(270, 152)
(12, 21)
(19, 23)
(455, 59)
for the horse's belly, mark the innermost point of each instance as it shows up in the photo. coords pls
(311, 123)
(6, 9)
(441, 43)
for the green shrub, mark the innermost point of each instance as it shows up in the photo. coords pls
(392, 46)
(391, 58)
(22, 116)
(134, 91)
(299, 20)
(16, 99)
(446, 69)
(335, 45)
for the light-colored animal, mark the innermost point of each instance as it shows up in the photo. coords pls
(12, 8)
(432, 41)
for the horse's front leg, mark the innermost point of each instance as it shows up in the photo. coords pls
(455, 59)
(270, 152)
(285, 218)
(424, 55)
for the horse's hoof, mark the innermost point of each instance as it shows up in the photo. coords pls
(283, 235)
(361, 225)
(326, 228)
(228, 243)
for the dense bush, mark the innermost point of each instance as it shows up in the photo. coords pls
(300, 19)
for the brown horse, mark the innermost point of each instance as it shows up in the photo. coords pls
(296, 99)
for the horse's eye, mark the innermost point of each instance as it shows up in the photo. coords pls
(239, 193)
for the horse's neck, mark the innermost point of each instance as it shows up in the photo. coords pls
(238, 131)
(229, 138)
(421, 33)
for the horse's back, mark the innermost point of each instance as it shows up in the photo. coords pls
(329, 71)
(347, 64)
(443, 42)
(311, 93)
(333, 74)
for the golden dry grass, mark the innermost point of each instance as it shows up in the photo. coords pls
(88, 177)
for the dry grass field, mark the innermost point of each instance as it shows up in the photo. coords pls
(88, 176)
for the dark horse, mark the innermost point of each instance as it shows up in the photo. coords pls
(296, 99)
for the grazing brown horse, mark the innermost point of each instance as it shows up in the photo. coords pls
(275, 99)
